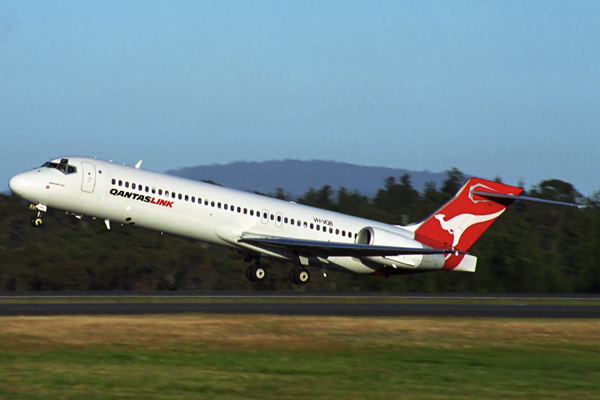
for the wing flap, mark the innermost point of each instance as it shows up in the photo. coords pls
(337, 249)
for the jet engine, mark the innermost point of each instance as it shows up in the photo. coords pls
(381, 237)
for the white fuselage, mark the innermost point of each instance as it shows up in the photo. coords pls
(207, 212)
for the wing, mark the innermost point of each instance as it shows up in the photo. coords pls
(336, 249)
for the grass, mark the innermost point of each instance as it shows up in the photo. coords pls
(275, 357)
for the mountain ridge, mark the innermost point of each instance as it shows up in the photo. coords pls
(296, 177)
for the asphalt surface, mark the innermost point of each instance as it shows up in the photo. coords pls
(292, 294)
(315, 309)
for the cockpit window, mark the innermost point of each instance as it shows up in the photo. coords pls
(63, 166)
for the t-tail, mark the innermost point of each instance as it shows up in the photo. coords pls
(462, 220)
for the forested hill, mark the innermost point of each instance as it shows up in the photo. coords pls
(531, 248)
(296, 177)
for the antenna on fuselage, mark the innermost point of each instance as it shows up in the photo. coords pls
(139, 164)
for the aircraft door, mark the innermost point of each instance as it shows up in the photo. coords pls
(264, 217)
(89, 177)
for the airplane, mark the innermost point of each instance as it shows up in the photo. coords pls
(260, 227)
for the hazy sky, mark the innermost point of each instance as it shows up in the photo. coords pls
(494, 88)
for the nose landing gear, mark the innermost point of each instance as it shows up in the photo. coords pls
(37, 221)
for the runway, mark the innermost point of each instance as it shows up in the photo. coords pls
(308, 309)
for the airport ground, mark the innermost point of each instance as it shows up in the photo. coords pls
(254, 356)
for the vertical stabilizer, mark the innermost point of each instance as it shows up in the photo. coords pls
(462, 220)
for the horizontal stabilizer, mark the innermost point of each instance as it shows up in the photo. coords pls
(491, 195)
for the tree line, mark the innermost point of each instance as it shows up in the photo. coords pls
(532, 247)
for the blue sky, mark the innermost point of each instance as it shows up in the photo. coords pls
(494, 88)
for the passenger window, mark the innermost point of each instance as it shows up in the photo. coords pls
(193, 199)
(114, 181)
(225, 206)
(218, 205)
(285, 220)
(173, 195)
(199, 200)
(245, 211)
(205, 202)
(140, 188)
(330, 230)
(133, 186)
(337, 231)
(265, 216)
(212, 203)
(318, 227)
(186, 198)
(343, 233)
(126, 184)
(292, 221)
(298, 222)
(312, 226)
(166, 193)
(239, 209)
(279, 218)
(147, 189)
(251, 213)
(272, 217)
(159, 192)
(120, 183)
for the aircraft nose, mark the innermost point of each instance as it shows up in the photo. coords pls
(18, 184)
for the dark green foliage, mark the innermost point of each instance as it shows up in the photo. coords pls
(531, 248)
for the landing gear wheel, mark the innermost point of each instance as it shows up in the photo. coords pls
(37, 222)
(256, 273)
(260, 273)
(299, 276)
(302, 276)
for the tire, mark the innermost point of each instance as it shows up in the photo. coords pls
(37, 222)
(302, 276)
(291, 276)
(259, 273)
(249, 272)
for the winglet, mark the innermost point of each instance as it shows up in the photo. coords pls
(139, 164)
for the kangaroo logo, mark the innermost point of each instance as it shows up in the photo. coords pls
(458, 225)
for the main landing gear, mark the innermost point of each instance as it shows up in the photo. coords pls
(37, 221)
(256, 272)
(299, 276)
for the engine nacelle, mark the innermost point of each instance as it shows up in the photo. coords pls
(381, 237)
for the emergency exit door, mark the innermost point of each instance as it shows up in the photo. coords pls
(89, 177)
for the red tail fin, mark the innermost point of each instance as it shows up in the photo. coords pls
(461, 221)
